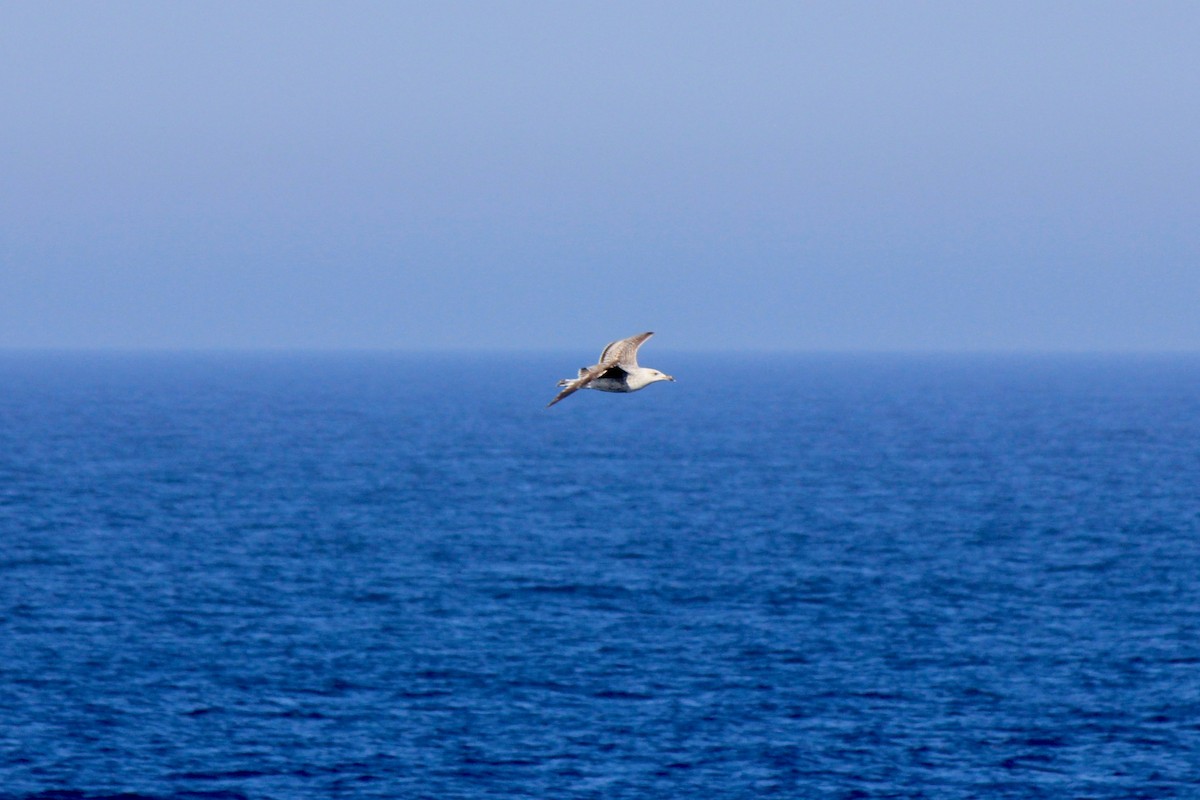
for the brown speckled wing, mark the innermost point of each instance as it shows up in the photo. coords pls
(623, 352)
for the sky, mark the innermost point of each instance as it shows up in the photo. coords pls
(791, 176)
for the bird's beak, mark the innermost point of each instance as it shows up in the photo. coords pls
(672, 380)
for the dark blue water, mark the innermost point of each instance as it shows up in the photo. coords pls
(383, 577)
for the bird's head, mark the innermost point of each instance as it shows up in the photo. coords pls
(660, 376)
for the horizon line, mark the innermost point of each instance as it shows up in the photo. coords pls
(462, 351)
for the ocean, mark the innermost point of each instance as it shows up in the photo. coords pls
(267, 577)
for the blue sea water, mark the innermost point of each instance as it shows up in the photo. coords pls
(357, 576)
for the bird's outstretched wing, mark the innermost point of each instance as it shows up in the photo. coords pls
(623, 352)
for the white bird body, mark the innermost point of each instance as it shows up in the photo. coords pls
(616, 371)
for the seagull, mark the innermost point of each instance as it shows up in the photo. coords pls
(617, 370)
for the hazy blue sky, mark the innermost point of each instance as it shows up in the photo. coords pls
(803, 176)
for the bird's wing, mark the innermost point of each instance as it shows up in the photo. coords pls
(623, 352)
(586, 376)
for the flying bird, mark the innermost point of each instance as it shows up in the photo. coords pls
(617, 370)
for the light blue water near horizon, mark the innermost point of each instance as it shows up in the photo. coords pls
(295, 576)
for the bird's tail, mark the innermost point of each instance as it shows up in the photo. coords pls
(570, 386)
(569, 381)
